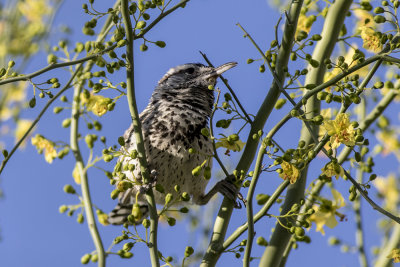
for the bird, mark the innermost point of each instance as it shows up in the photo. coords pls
(179, 108)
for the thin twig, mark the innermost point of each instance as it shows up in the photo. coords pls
(225, 81)
(249, 207)
(16, 146)
(160, 17)
(28, 77)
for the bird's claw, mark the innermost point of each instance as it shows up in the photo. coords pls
(153, 181)
(229, 189)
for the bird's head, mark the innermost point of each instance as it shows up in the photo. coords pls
(193, 75)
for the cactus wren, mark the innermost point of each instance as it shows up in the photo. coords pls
(179, 109)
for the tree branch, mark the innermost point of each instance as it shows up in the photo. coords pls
(137, 127)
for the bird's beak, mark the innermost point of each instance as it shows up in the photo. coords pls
(221, 69)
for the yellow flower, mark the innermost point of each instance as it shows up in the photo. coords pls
(333, 169)
(395, 255)
(326, 212)
(34, 10)
(231, 142)
(340, 130)
(371, 40)
(388, 188)
(390, 141)
(76, 175)
(290, 172)
(98, 104)
(46, 146)
(22, 128)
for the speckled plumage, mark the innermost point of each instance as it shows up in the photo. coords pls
(179, 108)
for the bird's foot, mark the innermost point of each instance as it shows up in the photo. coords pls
(153, 181)
(228, 189)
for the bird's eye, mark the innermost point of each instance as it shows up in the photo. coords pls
(190, 70)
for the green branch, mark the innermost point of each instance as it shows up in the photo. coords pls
(28, 77)
(160, 17)
(75, 115)
(260, 214)
(137, 127)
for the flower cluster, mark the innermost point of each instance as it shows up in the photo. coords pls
(46, 146)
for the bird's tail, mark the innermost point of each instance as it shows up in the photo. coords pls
(119, 215)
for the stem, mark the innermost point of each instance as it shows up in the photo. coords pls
(75, 114)
(162, 15)
(214, 249)
(357, 205)
(261, 213)
(28, 77)
(137, 127)
(225, 81)
(249, 207)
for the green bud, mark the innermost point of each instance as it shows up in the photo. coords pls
(32, 102)
(51, 59)
(62, 208)
(66, 123)
(80, 219)
(196, 171)
(316, 37)
(299, 231)
(143, 47)
(261, 241)
(262, 199)
(146, 223)
(207, 173)
(261, 68)
(95, 258)
(310, 86)
(128, 246)
(184, 210)
(160, 44)
(69, 189)
(136, 213)
(205, 132)
(168, 198)
(379, 19)
(121, 141)
(188, 251)
(185, 196)
(2, 72)
(115, 193)
(160, 188)
(140, 24)
(280, 103)
(127, 255)
(121, 43)
(171, 221)
(57, 110)
(249, 61)
(133, 154)
(85, 258)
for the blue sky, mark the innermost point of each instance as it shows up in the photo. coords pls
(35, 234)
